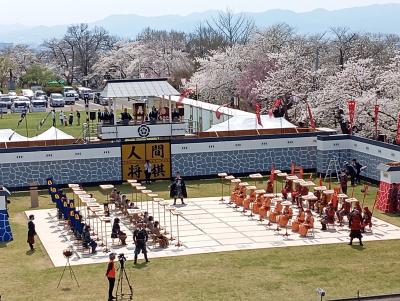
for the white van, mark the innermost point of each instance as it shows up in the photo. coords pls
(83, 91)
(69, 89)
(28, 93)
(20, 106)
(69, 98)
(38, 105)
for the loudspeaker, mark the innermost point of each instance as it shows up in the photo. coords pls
(92, 115)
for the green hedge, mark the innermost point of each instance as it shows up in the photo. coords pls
(52, 89)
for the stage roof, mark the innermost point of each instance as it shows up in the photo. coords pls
(138, 88)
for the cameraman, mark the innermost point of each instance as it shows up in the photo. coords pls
(110, 274)
(140, 238)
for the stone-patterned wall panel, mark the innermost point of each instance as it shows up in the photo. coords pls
(17, 175)
(248, 161)
(371, 162)
(5, 229)
(324, 157)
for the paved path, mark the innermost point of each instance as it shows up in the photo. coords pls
(207, 226)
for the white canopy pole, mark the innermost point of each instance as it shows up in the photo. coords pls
(115, 110)
(170, 108)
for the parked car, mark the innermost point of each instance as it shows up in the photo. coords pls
(104, 101)
(43, 98)
(56, 100)
(21, 105)
(68, 89)
(36, 88)
(23, 98)
(38, 105)
(3, 107)
(7, 99)
(40, 93)
(85, 92)
(28, 93)
(69, 98)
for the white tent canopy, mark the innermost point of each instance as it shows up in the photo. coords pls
(9, 135)
(240, 123)
(52, 134)
(210, 106)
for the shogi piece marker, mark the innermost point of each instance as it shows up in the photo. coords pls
(5, 229)
(387, 198)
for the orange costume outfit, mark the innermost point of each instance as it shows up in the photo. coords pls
(301, 216)
(308, 224)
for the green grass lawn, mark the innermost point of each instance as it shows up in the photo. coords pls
(266, 274)
(10, 121)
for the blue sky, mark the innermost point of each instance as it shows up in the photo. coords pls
(51, 12)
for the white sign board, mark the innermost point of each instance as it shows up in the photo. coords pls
(142, 131)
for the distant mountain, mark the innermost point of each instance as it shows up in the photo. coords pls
(374, 18)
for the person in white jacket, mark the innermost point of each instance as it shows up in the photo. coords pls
(62, 118)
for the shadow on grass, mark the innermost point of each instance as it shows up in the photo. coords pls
(392, 214)
(358, 247)
(30, 252)
(140, 266)
(3, 244)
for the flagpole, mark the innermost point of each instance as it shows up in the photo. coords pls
(26, 126)
(229, 117)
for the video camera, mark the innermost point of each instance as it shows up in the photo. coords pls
(121, 258)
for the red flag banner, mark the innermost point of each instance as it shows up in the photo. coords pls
(277, 103)
(398, 130)
(376, 116)
(352, 111)
(184, 94)
(310, 114)
(258, 114)
(218, 113)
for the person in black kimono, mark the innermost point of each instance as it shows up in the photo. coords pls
(178, 189)
(31, 232)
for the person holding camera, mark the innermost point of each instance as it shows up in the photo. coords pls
(110, 274)
(140, 238)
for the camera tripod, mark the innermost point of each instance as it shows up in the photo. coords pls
(120, 294)
(71, 272)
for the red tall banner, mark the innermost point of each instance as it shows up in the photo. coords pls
(218, 113)
(277, 103)
(376, 116)
(398, 130)
(352, 111)
(310, 114)
(258, 114)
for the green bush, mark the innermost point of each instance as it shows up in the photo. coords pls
(52, 89)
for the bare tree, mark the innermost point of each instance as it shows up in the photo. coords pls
(203, 40)
(344, 42)
(76, 53)
(234, 28)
